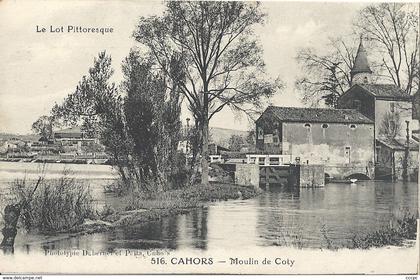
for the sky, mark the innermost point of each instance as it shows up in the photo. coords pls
(39, 69)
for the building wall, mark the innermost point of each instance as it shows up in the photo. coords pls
(343, 150)
(362, 78)
(312, 176)
(404, 108)
(416, 106)
(356, 99)
(268, 135)
(247, 175)
(413, 164)
(385, 157)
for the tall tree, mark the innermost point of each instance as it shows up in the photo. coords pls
(83, 106)
(97, 106)
(44, 127)
(236, 142)
(391, 126)
(152, 109)
(327, 75)
(220, 56)
(141, 130)
(393, 30)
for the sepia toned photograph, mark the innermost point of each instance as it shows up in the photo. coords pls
(209, 137)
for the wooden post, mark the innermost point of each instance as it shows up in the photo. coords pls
(11, 218)
(9, 231)
(393, 171)
(267, 178)
(406, 153)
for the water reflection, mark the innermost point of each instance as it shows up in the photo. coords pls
(331, 214)
(187, 230)
(173, 232)
(307, 218)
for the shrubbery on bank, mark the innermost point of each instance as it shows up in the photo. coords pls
(56, 205)
(189, 197)
(404, 228)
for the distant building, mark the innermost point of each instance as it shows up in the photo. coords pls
(390, 157)
(73, 140)
(3, 147)
(342, 140)
(69, 133)
(215, 149)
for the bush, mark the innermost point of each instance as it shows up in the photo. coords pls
(56, 205)
(179, 174)
(394, 234)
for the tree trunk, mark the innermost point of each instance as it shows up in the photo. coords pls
(205, 147)
(11, 217)
(205, 154)
(196, 144)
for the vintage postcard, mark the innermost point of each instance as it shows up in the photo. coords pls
(166, 137)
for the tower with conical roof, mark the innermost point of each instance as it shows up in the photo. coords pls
(361, 72)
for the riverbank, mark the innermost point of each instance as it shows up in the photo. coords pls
(58, 159)
(275, 218)
(147, 207)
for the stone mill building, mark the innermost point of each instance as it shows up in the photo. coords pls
(369, 136)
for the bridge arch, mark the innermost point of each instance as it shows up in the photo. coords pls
(358, 176)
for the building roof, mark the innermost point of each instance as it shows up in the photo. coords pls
(415, 134)
(74, 132)
(361, 64)
(76, 129)
(318, 115)
(380, 91)
(386, 91)
(398, 144)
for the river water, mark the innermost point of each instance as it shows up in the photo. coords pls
(308, 218)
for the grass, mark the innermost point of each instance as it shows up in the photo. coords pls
(149, 206)
(189, 197)
(405, 228)
(55, 206)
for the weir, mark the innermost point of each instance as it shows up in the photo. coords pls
(266, 171)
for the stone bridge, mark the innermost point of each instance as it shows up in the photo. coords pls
(344, 172)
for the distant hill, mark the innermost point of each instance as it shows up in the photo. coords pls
(220, 136)
(24, 137)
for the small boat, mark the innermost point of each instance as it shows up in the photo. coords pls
(353, 181)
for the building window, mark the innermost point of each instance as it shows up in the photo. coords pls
(365, 80)
(268, 138)
(260, 133)
(307, 125)
(378, 151)
(392, 107)
(347, 152)
(352, 126)
(392, 125)
(324, 125)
